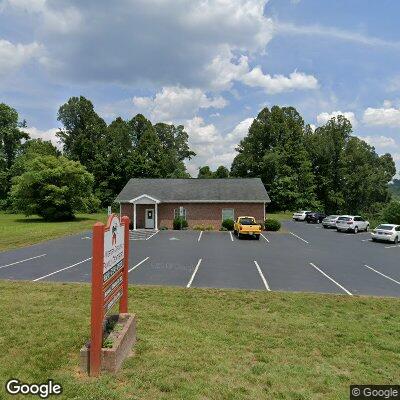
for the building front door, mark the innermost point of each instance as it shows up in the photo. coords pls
(149, 218)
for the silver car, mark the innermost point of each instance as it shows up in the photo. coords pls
(330, 221)
(352, 223)
(386, 232)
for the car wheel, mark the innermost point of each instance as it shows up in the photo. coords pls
(396, 240)
(367, 228)
(325, 227)
(356, 229)
(373, 239)
(239, 235)
(337, 230)
(257, 237)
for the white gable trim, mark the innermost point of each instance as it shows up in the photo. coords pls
(144, 196)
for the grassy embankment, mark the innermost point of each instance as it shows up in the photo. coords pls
(205, 344)
(16, 230)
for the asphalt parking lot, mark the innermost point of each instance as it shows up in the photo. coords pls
(302, 258)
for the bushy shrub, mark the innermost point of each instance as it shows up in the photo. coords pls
(209, 228)
(272, 225)
(228, 224)
(180, 223)
(53, 188)
(223, 229)
(391, 213)
(199, 228)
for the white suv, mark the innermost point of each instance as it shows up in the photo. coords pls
(300, 215)
(352, 223)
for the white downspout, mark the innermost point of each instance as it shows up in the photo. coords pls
(134, 216)
(156, 216)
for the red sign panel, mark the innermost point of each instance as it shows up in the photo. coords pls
(109, 279)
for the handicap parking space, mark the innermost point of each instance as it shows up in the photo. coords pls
(303, 257)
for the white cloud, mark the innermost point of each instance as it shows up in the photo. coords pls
(66, 19)
(279, 83)
(136, 43)
(225, 69)
(335, 33)
(382, 116)
(49, 135)
(175, 102)
(13, 56)
(239, 132)
(213, 148)
(324, 117)
(381, 142)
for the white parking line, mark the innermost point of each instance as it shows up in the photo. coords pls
(380, 273)
(231, 235)
(62, 269)
(298, 237)
(326, 275)
(19, 262)
(199, 238)
(139, 263)
(155, 233)
(262, 276)
(264, 237)
(194, 273)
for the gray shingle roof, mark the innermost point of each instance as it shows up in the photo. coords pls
(192, 190)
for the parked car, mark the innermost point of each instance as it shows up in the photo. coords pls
(330, 221)
(247, 226)
(315, 217)
(353, 223)
(300, 215)
(386, 232)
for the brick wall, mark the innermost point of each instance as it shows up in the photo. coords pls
(197, 213)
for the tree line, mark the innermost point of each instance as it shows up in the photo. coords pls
(95, 163)
(327, 168)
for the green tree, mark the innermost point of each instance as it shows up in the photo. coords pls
(205, 172)
(275, 151)
(349, 175)
(365, 176)
(53, 188)
(221, 172)
(11, 139)
(116, 161)
(391, 213)
(326, 147)
(29, 150)
(83, 130)
(394, 188)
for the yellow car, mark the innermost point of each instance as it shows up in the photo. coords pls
(247, 226)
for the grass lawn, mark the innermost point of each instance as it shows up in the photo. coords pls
(16, 230)
(205, 344)
(280, 215)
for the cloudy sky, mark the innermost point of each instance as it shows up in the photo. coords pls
(208, 64)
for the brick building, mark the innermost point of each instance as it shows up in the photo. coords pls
(154, 203)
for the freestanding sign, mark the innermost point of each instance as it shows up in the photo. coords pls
(109, 279)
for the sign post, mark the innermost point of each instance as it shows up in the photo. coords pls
(109, 279)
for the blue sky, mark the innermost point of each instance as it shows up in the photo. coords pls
(210, 65)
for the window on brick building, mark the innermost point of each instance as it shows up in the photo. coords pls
(177, 213)
(228, 213)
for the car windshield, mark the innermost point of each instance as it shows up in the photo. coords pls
(385, 227)
(247, 221)
(332, 216)
(344, 219)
